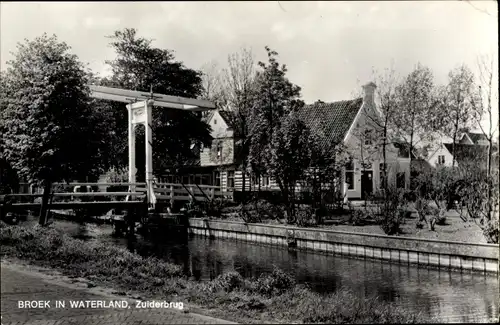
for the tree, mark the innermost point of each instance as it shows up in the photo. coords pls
(383, 117)
(416, 100)
(212, 84)
(48, 130)
(289, 157)
(275, 97)
(483, 101)
(239, 93)
(140, 66)
(327, 158)
(456, 111)
(233, 90)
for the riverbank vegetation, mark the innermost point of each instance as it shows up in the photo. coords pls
(274, 297)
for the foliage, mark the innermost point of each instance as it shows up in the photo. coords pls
(275, 97)
(289, 158)
(274, 283)
(10, 181)
(48, 126)
(390, 209)
(491, 231)
(117, 175)
(323, 178)
(140, 66)
(257, 210)
(416, 99)
(440, 185)
(306, 216)
(456, 105)
(358, 217)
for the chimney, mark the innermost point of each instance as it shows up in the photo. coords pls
(369, 93)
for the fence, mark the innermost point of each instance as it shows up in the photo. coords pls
(163, 191)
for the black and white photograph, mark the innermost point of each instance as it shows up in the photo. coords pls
(249, 162)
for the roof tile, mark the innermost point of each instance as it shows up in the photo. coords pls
(333, 120)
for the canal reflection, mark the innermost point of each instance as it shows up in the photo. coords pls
(450, 296)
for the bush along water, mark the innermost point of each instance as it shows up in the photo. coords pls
(274, 296)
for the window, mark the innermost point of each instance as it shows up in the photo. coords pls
(366, 165)
(219, 150)
(230, 179)
(215, 121)
(265, 180)
(403, 151)
(383, 178)
(349, 174)
(368, 137)
(441, 160)
(401, 180)
(217, 178)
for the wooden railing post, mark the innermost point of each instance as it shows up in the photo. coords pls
(172, 196)
(191, 197)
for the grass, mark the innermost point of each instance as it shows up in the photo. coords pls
(271, 298)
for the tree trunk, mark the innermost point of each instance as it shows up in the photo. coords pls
(243, 183)
(42, 218)
(490, 206)
(409, 155)
(384, 166)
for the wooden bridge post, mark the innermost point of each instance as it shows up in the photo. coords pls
(172, 194)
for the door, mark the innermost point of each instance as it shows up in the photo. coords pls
(366, 183)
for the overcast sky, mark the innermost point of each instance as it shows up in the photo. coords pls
(330, 48)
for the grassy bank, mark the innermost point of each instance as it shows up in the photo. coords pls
(272, 298)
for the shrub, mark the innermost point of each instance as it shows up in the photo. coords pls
(358, 217)
(226, 282)
(306, 216)
(491, 232)
(274, 283)
(391, 209)
(249, 216)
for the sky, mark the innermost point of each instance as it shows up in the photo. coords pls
(330, 48)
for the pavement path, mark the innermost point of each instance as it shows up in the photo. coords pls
(18, 284)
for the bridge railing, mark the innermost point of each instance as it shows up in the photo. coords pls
(163, 191)
(185, 192)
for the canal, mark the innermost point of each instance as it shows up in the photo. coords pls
(449, 296)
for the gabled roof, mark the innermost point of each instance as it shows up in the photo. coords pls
(467, 152)
(332, 119)
(475, 137)
(228, 117)
(404, 148)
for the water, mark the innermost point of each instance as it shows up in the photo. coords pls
(450, 296)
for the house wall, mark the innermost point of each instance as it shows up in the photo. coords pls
(441, 151)
(222, 135)
(373, 153)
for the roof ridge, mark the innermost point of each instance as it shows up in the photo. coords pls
(334, 102)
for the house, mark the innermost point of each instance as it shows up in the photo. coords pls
(464, 152)
(349, 122)
(473, 138)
